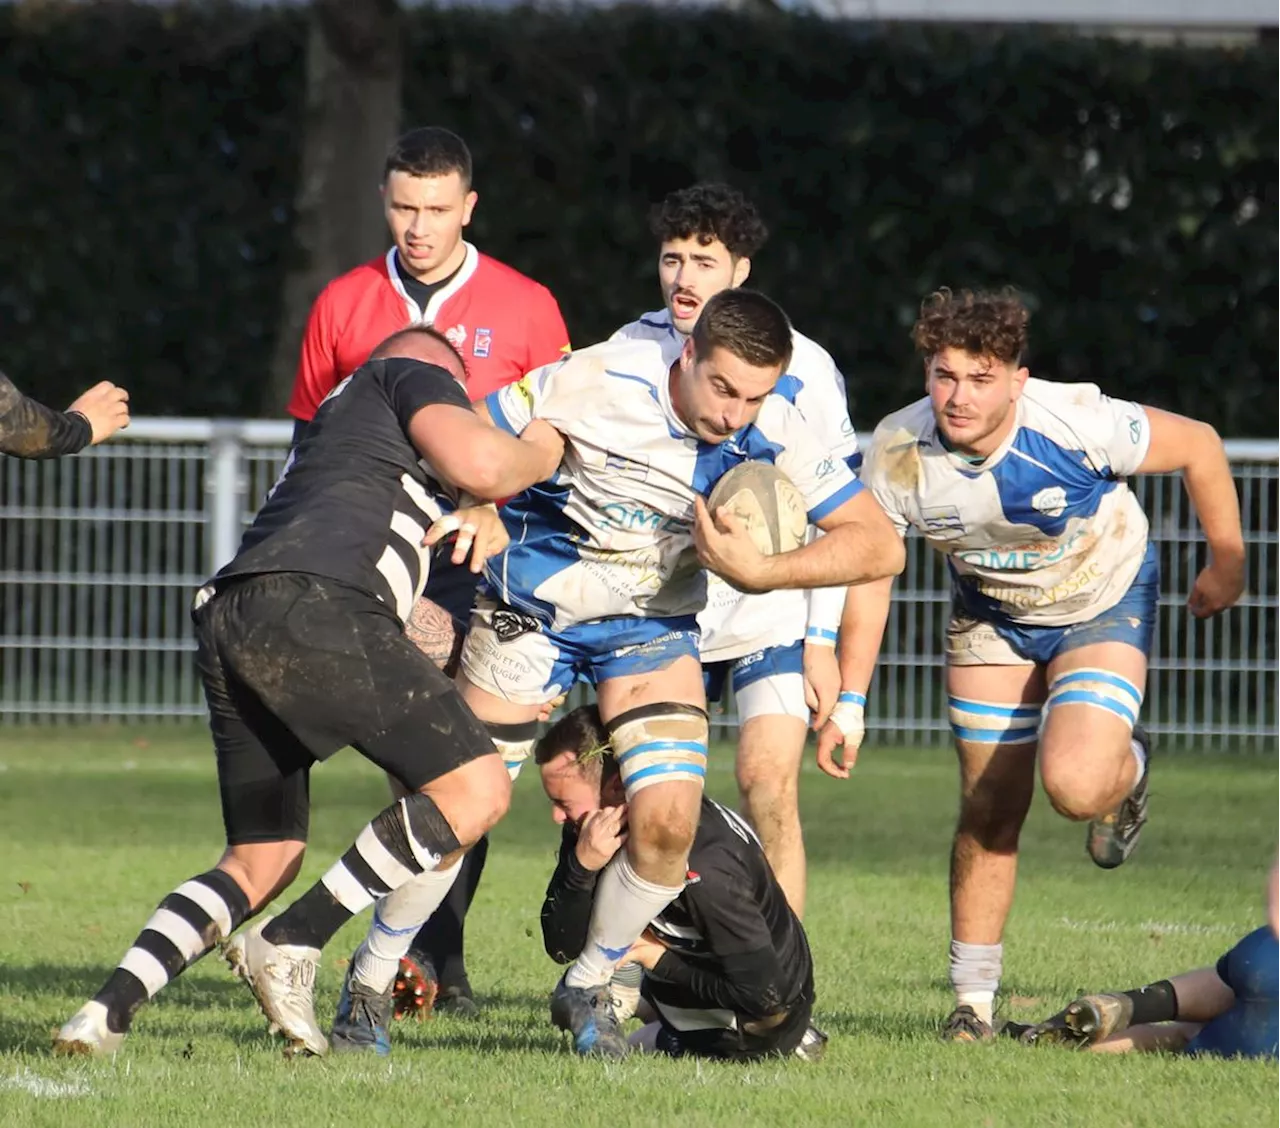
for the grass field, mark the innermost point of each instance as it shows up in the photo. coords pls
(96, 825)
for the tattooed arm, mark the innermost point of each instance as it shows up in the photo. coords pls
(436, 633)
(30, 430)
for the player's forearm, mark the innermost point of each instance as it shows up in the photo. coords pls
(1212, 490)
(747, 984)
(512, 465)
(566, 911)
(866, 611)
(30, 430)
(853, 553)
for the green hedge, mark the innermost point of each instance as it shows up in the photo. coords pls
(150, 158)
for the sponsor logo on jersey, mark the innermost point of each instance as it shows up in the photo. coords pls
(456, 335)
(941, 519)
(634, 466)
(1135, 430)
(826, 467)
(1050, 501)
(508, 625)
(482, 343)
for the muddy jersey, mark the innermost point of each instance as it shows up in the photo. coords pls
(612, 533)
(734, 624)
(1044, 531)
(355, 499)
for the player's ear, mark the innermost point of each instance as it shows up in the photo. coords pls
(741, 271)
(1019, 382)
(468, 206)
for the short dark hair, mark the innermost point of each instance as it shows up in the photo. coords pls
(391, 346)
(582, 732)
(708, 212)
(429, 151)
(746, 323)
(982, 323)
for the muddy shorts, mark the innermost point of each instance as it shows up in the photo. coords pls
(296, 667)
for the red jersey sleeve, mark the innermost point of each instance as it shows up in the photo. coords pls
(318, 371)
(548, 339)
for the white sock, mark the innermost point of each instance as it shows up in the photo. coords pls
(1140, 759)
(397, 917)
(975, 975)
(624, 904)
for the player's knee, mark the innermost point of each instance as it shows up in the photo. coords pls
(514, 743)
(662, 835)
(768, 798)
(1074, 792)
(661, 743)
(992, 818)
(474, 798)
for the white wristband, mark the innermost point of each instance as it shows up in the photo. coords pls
(847, 716)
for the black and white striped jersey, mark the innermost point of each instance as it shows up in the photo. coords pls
(355, 499)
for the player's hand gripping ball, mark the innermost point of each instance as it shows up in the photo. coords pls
(752, 512)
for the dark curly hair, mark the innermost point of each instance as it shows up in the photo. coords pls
(707, 212)
(979, 322)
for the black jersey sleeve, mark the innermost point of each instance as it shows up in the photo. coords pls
(412, 385)
(745, 975)
(30, 430)
(566, 911)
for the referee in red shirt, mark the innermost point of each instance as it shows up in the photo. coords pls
(504, 325)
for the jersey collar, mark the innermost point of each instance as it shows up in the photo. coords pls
(470, 260)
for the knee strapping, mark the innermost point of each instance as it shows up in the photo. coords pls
(981, 722)
(661, 743)
(415, 832)
(514, 743)
(1099, 689)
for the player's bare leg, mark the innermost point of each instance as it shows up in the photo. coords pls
(658, 728)
(1092, 766)
(996, 752)
(770, 750)
(1163, 1015)
(187, 925)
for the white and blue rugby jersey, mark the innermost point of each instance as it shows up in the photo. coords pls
(734, 624)
(1045, 531)
(612, 532)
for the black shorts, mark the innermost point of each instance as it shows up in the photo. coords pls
(296, 667)
(748, 1041)
(452, 586)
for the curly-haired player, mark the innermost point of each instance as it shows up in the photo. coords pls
(1020, 483)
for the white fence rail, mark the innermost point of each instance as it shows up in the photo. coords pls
(100, 554)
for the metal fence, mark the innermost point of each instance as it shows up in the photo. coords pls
(100, 555)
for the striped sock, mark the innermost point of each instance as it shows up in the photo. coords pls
(407, 838)
(188, 923)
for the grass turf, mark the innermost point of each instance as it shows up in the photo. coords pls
(98, 824)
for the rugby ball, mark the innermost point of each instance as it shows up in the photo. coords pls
(767, 502)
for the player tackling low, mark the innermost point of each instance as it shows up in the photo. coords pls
(1020, 483)
(602, 581)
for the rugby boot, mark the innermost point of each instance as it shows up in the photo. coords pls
(812, 1046)
(415, 989)
(964, 1025)
(587, 1014)
(283, 980)
(1090, 1019)
(87, 1033)
(360, 1026)
(1113, 837)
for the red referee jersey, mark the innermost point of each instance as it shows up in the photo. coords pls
(502, 323)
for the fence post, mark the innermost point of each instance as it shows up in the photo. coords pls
(226, 485)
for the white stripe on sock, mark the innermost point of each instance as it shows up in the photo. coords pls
(379, 859)
(209, 900)
(346, 890)
(184, 937)
(140, 962)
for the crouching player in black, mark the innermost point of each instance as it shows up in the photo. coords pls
(302, 651)
(728, 972)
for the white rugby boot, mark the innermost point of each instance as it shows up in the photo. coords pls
(282, 978)
(86, 1033)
